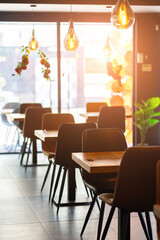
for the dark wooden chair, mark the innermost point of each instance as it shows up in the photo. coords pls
(52, 121)
(69, 140)
(156, 208)
(94, 107)
(33, 121)
(112, 117)
(135, 190)
(22, 109)
(101, 140)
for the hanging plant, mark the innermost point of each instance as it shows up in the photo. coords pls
(25, 61)
(44, 61)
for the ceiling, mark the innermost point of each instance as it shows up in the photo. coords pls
(18, 6)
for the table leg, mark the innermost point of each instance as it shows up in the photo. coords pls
(34, 151)
(71, 185)
(123, 225)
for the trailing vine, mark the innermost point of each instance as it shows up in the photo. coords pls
(25, 61)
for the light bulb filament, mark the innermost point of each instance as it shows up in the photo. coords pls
(71, 42)
(123, 15)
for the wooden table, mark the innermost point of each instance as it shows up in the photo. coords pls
(95, 114)
(46, 136)
(16, 116)
(99, 162)
(7, 110)
(103, 162)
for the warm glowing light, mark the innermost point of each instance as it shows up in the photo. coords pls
(107, 49)
(33, 45)
(71, 41)
(122, 16)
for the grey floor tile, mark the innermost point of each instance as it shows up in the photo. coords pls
(16, 211)
(4, 173)
(71, 230)
(23, 231)
(46, 211)
(9, 189)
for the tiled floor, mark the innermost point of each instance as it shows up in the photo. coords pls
(26, 213)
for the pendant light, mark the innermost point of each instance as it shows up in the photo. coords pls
(107, 49)
(71, 41)
(33, 44)
(122, 16)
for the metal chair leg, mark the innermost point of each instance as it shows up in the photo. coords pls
(52, 180)
(84, 183)
(108, 223)
(100, 220)
(46, 175)
(88, 214)
(28, 155)
(56, 183)
(61, 189)
(143, 225)
(149, 225)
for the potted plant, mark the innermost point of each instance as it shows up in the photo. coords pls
(145, 116)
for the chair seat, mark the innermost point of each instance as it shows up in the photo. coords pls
(48, 153)
(101, 183)
(157, 211)
(107, 198)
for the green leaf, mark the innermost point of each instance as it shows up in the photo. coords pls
(156, 114)
(152, 122)
(153, 102)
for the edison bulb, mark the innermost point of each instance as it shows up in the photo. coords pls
(33, 44)
(71, 41)
(122, 16)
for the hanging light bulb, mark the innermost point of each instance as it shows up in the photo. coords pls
(33, 44)
(122, 16)
(71, 41)
(107, 49)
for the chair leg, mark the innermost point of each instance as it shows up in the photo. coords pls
(88, 214)
(100, 220)
(46, 175)
(126, 226)
(61, 189)
(23, 149)
(56, 183)
(52, 180)
(143, 225)
(149, 225)
(28, 155)
(84, 183)
(108, 223)
(98, 204)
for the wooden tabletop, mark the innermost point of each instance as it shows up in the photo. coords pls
(46, 135)
(99, 162)
(16, 116)
(95, 114)
(7, 110)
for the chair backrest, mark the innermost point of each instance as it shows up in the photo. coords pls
(136, 184)
(52, 121)
(158, 182)
(112, 117)
(23, 107)
(94, 106)
(70, 140)
(103, 139)
(9, 105)
(33, 120)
